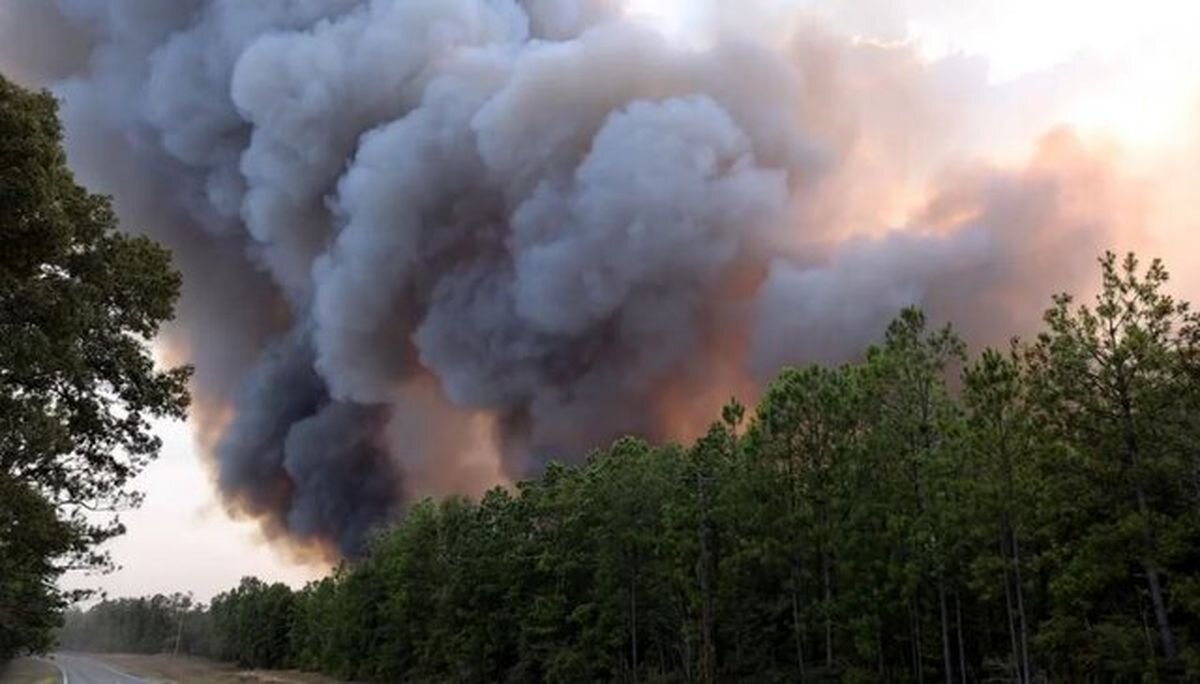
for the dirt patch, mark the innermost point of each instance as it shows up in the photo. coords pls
(187, 670)
(29, 671)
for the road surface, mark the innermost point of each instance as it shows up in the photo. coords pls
(80, 669)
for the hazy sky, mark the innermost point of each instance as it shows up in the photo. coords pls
(1131, 68)
(182, 540)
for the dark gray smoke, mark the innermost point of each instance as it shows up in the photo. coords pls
(422, 236)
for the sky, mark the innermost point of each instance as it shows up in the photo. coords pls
(1127, 72)
(182, 540)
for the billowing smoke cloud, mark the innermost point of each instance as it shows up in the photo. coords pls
(984, 252)
(429, 244)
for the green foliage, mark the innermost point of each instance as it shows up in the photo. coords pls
(157, 624)
(31, 536)
(914, 515)
(253, 623)
(1114, 384)
(79, 302)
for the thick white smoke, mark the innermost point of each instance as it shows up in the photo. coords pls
(535, 225)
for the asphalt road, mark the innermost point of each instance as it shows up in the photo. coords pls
(78, 669)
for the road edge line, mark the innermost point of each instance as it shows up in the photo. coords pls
(66, 679)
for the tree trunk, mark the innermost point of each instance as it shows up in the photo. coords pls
(797, 623)
(917, 664)
(1146, 632)
(1156, 593)
(685, 651)
(179, 631)
(962, 649)
(1026, 669)
(947, 663)
(825, 563)
(1017, 662)
(1010, 550)
(882, 664)
(708, 659)
(1166, 635)
(633, 620)
(1152, 579)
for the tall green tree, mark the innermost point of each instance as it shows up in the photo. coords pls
(1001, 446)
(807, 430)
(914, 420)
(79, 302)
(254, 623)
(1114, 380)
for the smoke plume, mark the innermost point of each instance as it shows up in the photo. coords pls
(430, 244)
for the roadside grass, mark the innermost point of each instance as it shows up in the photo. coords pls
(166, 669)
(29, 671)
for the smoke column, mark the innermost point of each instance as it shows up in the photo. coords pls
(430, 244)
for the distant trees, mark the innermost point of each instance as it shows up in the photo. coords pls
(156, 624)
(253, 622)
(79, 302)
(1030, 514)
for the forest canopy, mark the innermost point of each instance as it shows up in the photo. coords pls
(1023, 514)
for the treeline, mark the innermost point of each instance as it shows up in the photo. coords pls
(1031, 514)
(156, 624)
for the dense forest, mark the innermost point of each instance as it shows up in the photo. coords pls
(1026, 514)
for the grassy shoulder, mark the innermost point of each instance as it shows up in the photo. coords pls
(168, 669)
(29, 671)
